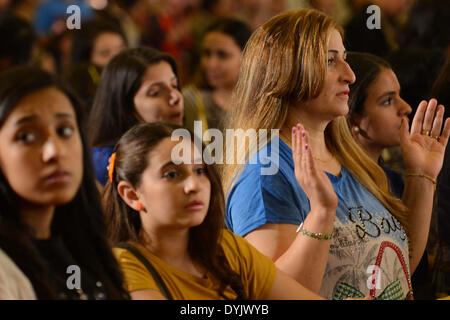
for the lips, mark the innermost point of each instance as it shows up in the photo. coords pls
(176, 116)
(195, 205)
(343, 94)
(57, 177)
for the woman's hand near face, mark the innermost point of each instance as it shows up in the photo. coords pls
(314, 182)
(422, 153)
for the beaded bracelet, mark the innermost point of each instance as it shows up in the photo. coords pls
(318, 236)
(423, 176)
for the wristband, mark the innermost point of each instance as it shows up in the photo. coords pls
(423, 176)
(318, 236)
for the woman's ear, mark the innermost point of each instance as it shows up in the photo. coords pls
(355, 122)
(129, 194)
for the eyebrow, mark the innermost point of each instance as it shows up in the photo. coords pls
(167, 164)
(161, 82)
(337, 52)
(389, 93)
(170, 163)
(34, 117)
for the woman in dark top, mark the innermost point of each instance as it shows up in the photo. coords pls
(138, 85)
(51, 221)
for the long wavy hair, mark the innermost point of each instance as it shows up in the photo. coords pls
(79, 222)
(124, 223)
(284, 64)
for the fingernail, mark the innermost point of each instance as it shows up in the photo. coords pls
(293, 130)
(306, 147)
(298, 127)
(303, 134)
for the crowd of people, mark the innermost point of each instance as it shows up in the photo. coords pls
(92, 178)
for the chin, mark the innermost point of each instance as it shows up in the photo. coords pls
(58, 199)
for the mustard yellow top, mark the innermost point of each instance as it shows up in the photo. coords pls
(256, 270)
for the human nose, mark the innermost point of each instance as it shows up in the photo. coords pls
(405, 109)
(347, 74)
(211, 62)
(174, 97)
(51, 149)
(192, 184)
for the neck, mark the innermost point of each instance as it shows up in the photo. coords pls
(169, 245)
(373, 150)
(315, 128)
(222, 97)
(39, 219)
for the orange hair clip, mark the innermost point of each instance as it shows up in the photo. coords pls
(112, 163)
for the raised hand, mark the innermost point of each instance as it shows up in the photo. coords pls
(423, 148)
(314, 182)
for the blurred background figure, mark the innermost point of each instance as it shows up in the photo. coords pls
(428, 26)
(18, 39)
(208, 99)
(380, 42)
(138, 85)
(92, 48)
(441, 223)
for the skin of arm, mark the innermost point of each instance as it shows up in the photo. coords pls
(302, 257)
(423, 155)
(418, 196)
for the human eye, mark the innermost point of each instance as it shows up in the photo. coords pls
(153, 93)
(175, 85)
(206, 52)
(170, 174)
(387, 101)
(200, 170)
(330, 60)
(222, 54)
(66, 131)
(26, 137)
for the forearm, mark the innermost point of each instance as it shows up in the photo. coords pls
(286, 288)
(306, 258)
(418, 197)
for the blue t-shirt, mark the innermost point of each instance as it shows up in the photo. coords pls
(100, 157)
(367, 238)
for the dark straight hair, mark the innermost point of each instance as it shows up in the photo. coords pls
(238, 30)
(124, 223)
(235, 28)
(366, 67)
(83, 39)
(113, 110)
(80, 223)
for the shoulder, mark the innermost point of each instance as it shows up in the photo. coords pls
(13, 283)
(256, 270)
(240, 252)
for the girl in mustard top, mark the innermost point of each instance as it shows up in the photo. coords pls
(171, 209)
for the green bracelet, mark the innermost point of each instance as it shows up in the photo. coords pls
(318, 236)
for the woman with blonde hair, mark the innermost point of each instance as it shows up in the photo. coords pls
(355, 238)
